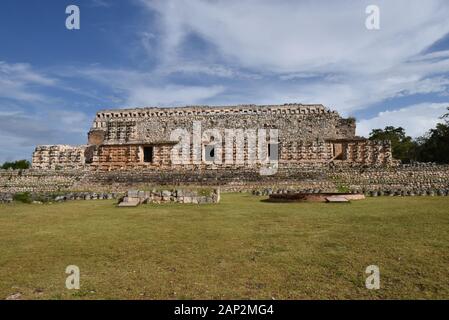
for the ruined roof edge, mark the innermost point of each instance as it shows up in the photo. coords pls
(208, 107)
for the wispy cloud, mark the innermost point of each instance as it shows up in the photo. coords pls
(20, 82)
(295, 36)
(32, 112)
(147, 88)
(21, 131)
(100, 3)
(416, 119)
(35, 128)
(172, 95)
(320, 51)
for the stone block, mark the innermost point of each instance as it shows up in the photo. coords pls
(133, 202)
(166, 194)
(337, 199)
(187, 199)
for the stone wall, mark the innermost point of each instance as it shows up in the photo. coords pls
(129, 157)
(59, 157)
(368, 152)
(38, 180)
(405, 177)
(328, 178)
(118, 157)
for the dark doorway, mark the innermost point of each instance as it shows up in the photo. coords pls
(148, 154)
(273, 151)
(210, 152)
(338, 151)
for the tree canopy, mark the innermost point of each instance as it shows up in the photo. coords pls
(431, 147)
(19, 164)
(403, 146)
(434, 145)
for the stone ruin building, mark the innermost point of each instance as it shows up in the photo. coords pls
(141, 138)
(312, 149)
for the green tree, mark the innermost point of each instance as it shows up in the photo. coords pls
(434, 145)
(403, 146)
(19, 164)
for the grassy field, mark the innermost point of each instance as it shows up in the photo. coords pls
(240, 248)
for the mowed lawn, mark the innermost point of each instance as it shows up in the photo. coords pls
(240, 248)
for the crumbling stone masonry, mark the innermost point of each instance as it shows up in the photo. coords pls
(413, 179)
(205, 196)
(59, 157)
(125, 139)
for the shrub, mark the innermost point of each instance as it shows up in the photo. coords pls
(343, 189)
(24, 197)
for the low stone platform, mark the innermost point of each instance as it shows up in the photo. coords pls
(337, 199)
(129, 202)
(202, 196)
(315, 197)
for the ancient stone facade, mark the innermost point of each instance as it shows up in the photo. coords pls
(216, 138)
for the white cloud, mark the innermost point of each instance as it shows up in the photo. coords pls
(28, 113)
(211, 69)
(21, 131)
(18, 82)
(12, 149)
(171, 95)
(356, 93)
(147, 89)
(72, 121)
(415, 119)
(349, 66)
(295, 36)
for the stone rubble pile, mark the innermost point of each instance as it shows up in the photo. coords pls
(55, 197)
(6, 197)
(371, 193)
(409, 193)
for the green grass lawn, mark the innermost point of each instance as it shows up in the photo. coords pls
(240, 248)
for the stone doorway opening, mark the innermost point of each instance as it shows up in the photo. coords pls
(338, 151)
(148, 154)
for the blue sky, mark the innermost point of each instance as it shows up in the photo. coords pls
(174, 53)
